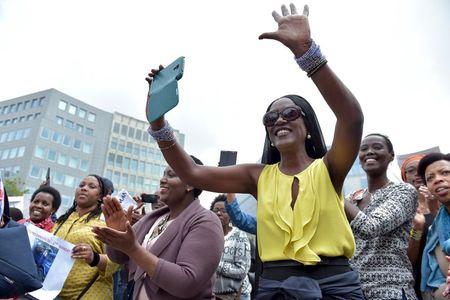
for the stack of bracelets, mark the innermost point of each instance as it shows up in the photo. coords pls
(312, 60)
(165, 134)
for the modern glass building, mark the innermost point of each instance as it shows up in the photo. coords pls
(50, 129)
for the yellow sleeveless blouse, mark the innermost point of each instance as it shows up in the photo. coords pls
(316, 226)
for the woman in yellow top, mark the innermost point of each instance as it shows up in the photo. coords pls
(91, 276)
(304, 239)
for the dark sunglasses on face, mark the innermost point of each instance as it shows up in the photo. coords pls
(288, 114)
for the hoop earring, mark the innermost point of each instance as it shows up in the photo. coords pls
(308, 136)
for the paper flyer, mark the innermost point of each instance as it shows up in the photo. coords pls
(126, 200)
(53, 260)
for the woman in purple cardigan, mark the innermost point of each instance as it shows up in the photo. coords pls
(173, 252)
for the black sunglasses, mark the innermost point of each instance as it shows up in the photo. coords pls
(288, 114)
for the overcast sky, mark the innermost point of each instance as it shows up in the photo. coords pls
(393, 55)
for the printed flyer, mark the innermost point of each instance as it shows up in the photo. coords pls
(53, 260)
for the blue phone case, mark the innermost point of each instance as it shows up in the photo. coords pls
(163, 93)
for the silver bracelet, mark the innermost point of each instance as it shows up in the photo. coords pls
(312, 59)
(164, 134)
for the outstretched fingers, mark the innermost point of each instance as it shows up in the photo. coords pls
(305, 10)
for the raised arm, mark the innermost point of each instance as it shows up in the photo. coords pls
(238, 178)
(239, 219)
(294, 32)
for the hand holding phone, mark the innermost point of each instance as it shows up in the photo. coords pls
(163, 93)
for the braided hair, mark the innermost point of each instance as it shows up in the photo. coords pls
(95, 212)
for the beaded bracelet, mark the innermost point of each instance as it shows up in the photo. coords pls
(312, 60)
(164, 134)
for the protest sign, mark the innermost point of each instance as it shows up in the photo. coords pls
(53, 260)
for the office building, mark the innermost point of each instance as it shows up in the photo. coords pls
(50, 129)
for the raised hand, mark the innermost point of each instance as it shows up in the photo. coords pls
(293, 29)
(153, 73)
(115, 217)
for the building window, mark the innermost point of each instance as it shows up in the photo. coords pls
(67, 141)
(108, 174)
(3, 137)
(39, 152)
(77, 144)
(119, 161)
(29, 117)
(74, 162)
(91, 117)
(34, 103)
(89, 131)
(35, 172)
(59, 120)
(19, 134)
(7, 122)
(62, 105)
(141, 166)
(57, 137)
(116, 177)
(5, 110)
(69, 124)
(26, 133)
(37, 115)
(62, 159)
(72, 109)
(114, 143)
(13, 153)
(87, 148)
(21, 119)
(134, 165)
(111, 158)
(21, 151)
(124, 130)
(124, 180)
(80, 128)
(26, 104)
(126, 163)
(11, 136)
(84, 165)
(14, 121)
(12, 108)
(138, 134)
(116, 128)
(81, 113)
(51, 155)
(41, 101)
(136, 149)
(145, 137)
(5, 154)
(45, 133)
(129, 147)
(131, 132)
(69, 181)
(58, 177)
(19, 106)
(144, 152)
(121, 146)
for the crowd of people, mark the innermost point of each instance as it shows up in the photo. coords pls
(387, 241)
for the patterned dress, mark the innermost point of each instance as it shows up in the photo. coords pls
(381, 232)
(75, 230)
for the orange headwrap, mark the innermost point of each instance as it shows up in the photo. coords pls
(407, 161)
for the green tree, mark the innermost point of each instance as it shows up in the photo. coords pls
(13, 186)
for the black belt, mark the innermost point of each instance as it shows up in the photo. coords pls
(328, 266)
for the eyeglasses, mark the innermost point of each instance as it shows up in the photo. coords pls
(222, 210)
(288, 114)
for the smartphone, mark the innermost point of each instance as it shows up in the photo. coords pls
(149, 198)
(163, 93)
(227, 158)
